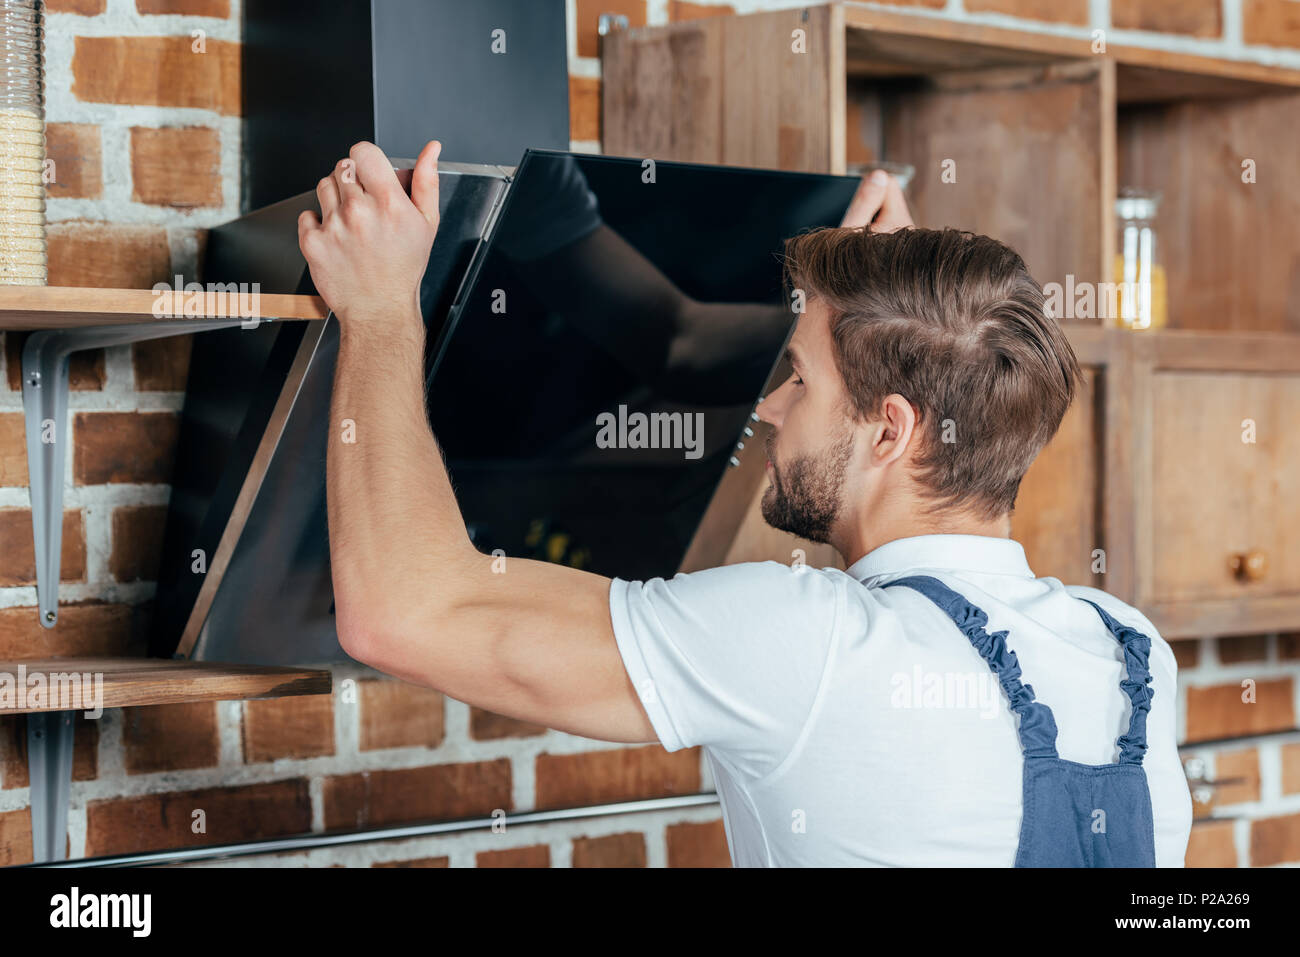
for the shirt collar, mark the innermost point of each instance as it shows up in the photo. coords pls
(984, 554)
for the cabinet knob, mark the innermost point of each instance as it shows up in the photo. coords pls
(1249, 566)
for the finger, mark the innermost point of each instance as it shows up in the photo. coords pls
(424, 181)
(327, 194)
(307, 221)
(866, 201)
(345, 179)
(374, 171)
(893, 209)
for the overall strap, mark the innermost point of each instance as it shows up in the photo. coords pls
(1137, 656)
(1037, 725)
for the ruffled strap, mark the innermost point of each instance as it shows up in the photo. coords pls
(1137, 658)
(1037, 724)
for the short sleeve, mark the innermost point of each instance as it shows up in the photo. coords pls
(730, 657)
(550, 208)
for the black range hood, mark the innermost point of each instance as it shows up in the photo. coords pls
(599, 331)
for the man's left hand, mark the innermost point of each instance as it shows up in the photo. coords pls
(878, 204)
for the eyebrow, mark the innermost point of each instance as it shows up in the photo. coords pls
(791, 357)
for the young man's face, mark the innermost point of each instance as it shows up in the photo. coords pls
(811, 447)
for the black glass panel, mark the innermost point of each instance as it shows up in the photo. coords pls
(589, 391)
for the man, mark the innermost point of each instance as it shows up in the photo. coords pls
(865, 717)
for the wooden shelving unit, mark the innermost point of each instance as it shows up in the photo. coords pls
(64, 320)
(1039, 132)
(69, 685)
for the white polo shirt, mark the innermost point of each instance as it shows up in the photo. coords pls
(848, 724)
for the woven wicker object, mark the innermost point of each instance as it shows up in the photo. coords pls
(22, 143)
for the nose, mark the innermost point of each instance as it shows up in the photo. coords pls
(772, 409)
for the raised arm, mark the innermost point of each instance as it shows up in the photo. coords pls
(413, 596)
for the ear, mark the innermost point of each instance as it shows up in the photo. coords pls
(898, 424)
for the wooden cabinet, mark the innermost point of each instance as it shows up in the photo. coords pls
(1147, 491)
(1216, 454)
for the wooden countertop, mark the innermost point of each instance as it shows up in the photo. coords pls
(127, 682)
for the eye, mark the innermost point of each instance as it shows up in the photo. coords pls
(798, 381)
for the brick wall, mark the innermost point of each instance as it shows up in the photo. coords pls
(144, 132)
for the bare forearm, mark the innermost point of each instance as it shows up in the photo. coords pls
(395, 529)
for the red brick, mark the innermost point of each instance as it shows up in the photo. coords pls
(123, 447)
(170, 737)
(84, 629)
(1211, 845)
(18, 547)
(537, 855)
(681, 10)
(189, 8)
(697, 845)
(1241, 648)
(137, 542)
(78, 161)
(85, 369)
(157, 71)
(1229, 765)
(1056, 11)
(440, 792)
(1199, 18)
(584, 108)
(155, 821)
(1218, 711)
(620, 774)
(616, 850)
(104, 255)
(162, 365)
(417, 862)
(295, 727)
(395, 714)
(1271, 23)
(587, 19)
(1275, 840)
(15, 837)
(86, 7)
(487, 726)
(178, 167)
(13, 750)
(1186, 653)
(1290, 755)
(13, 450)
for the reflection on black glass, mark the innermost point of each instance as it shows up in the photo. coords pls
(606, 359)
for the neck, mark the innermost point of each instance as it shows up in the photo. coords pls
(866, 536)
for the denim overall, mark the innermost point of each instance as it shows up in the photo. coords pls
(1075, 815)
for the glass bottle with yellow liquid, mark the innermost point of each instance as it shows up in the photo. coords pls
(1142, 301)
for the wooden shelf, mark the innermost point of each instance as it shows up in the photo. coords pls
(131, 682)
(881, 43)
(64, 307)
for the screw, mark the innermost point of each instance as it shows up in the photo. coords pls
(34, 380)
(49, 616)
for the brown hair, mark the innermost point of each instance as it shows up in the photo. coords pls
(952, 321)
